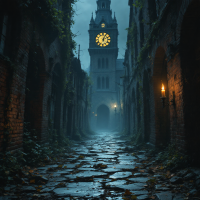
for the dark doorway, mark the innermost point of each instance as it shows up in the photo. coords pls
(34, 90)
(103, 117)
(190, 64)
(56, 97)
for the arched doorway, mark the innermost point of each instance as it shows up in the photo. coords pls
(103, 115)
(190, 64)
(162, 123)
(56, 97)
(35, 90)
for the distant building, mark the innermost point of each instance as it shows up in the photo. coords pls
(105, 68)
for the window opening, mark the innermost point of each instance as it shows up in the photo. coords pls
(99, 63)
(103, 83)
(98, 83)
(3, 34)
(106, 63)
(103, 63)
(107, 83)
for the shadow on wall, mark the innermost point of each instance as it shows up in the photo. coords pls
(190, 63)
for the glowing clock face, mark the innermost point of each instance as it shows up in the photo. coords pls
(103, 25)
(103, 39)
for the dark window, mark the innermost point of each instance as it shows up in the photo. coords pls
(107, 63)
(99, 63)
(3, 30)
(107, 83)
(98, 83)
(103, 83)
(103, 5)
(103, 63)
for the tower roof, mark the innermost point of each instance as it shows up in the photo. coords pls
(103, 12)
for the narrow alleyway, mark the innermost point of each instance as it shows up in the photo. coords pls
(104, 167)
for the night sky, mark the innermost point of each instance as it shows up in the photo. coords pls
(84, 9)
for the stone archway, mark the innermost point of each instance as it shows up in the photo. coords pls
(190, 64)
(35, 80)
(103, 116)
(56, 97)
(162, 122)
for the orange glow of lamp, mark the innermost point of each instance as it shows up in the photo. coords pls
(163, 91)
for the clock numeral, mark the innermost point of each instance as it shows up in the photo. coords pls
(103, 39)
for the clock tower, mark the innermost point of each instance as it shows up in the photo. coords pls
(103, 50)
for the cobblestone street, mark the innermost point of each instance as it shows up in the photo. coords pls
(104, 167)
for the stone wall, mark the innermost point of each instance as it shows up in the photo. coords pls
(31, 79)
(157, 52)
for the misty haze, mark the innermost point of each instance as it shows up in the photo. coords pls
(99, 99)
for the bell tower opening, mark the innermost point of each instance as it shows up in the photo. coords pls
(103, 115)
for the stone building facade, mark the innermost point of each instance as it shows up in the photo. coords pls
(33, 69)
(163, 48)
(105, 68)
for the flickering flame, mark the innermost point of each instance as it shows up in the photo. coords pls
(115, 106)
(163, 88)
(163, 91)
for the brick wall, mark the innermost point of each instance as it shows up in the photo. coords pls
(163, 61)
(26, 92)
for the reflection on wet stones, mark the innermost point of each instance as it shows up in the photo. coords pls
(101, 168)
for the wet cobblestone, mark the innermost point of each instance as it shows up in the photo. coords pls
(102, 168)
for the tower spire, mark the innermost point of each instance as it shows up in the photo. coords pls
(92, 19)
(103, 9)
(114, 20)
